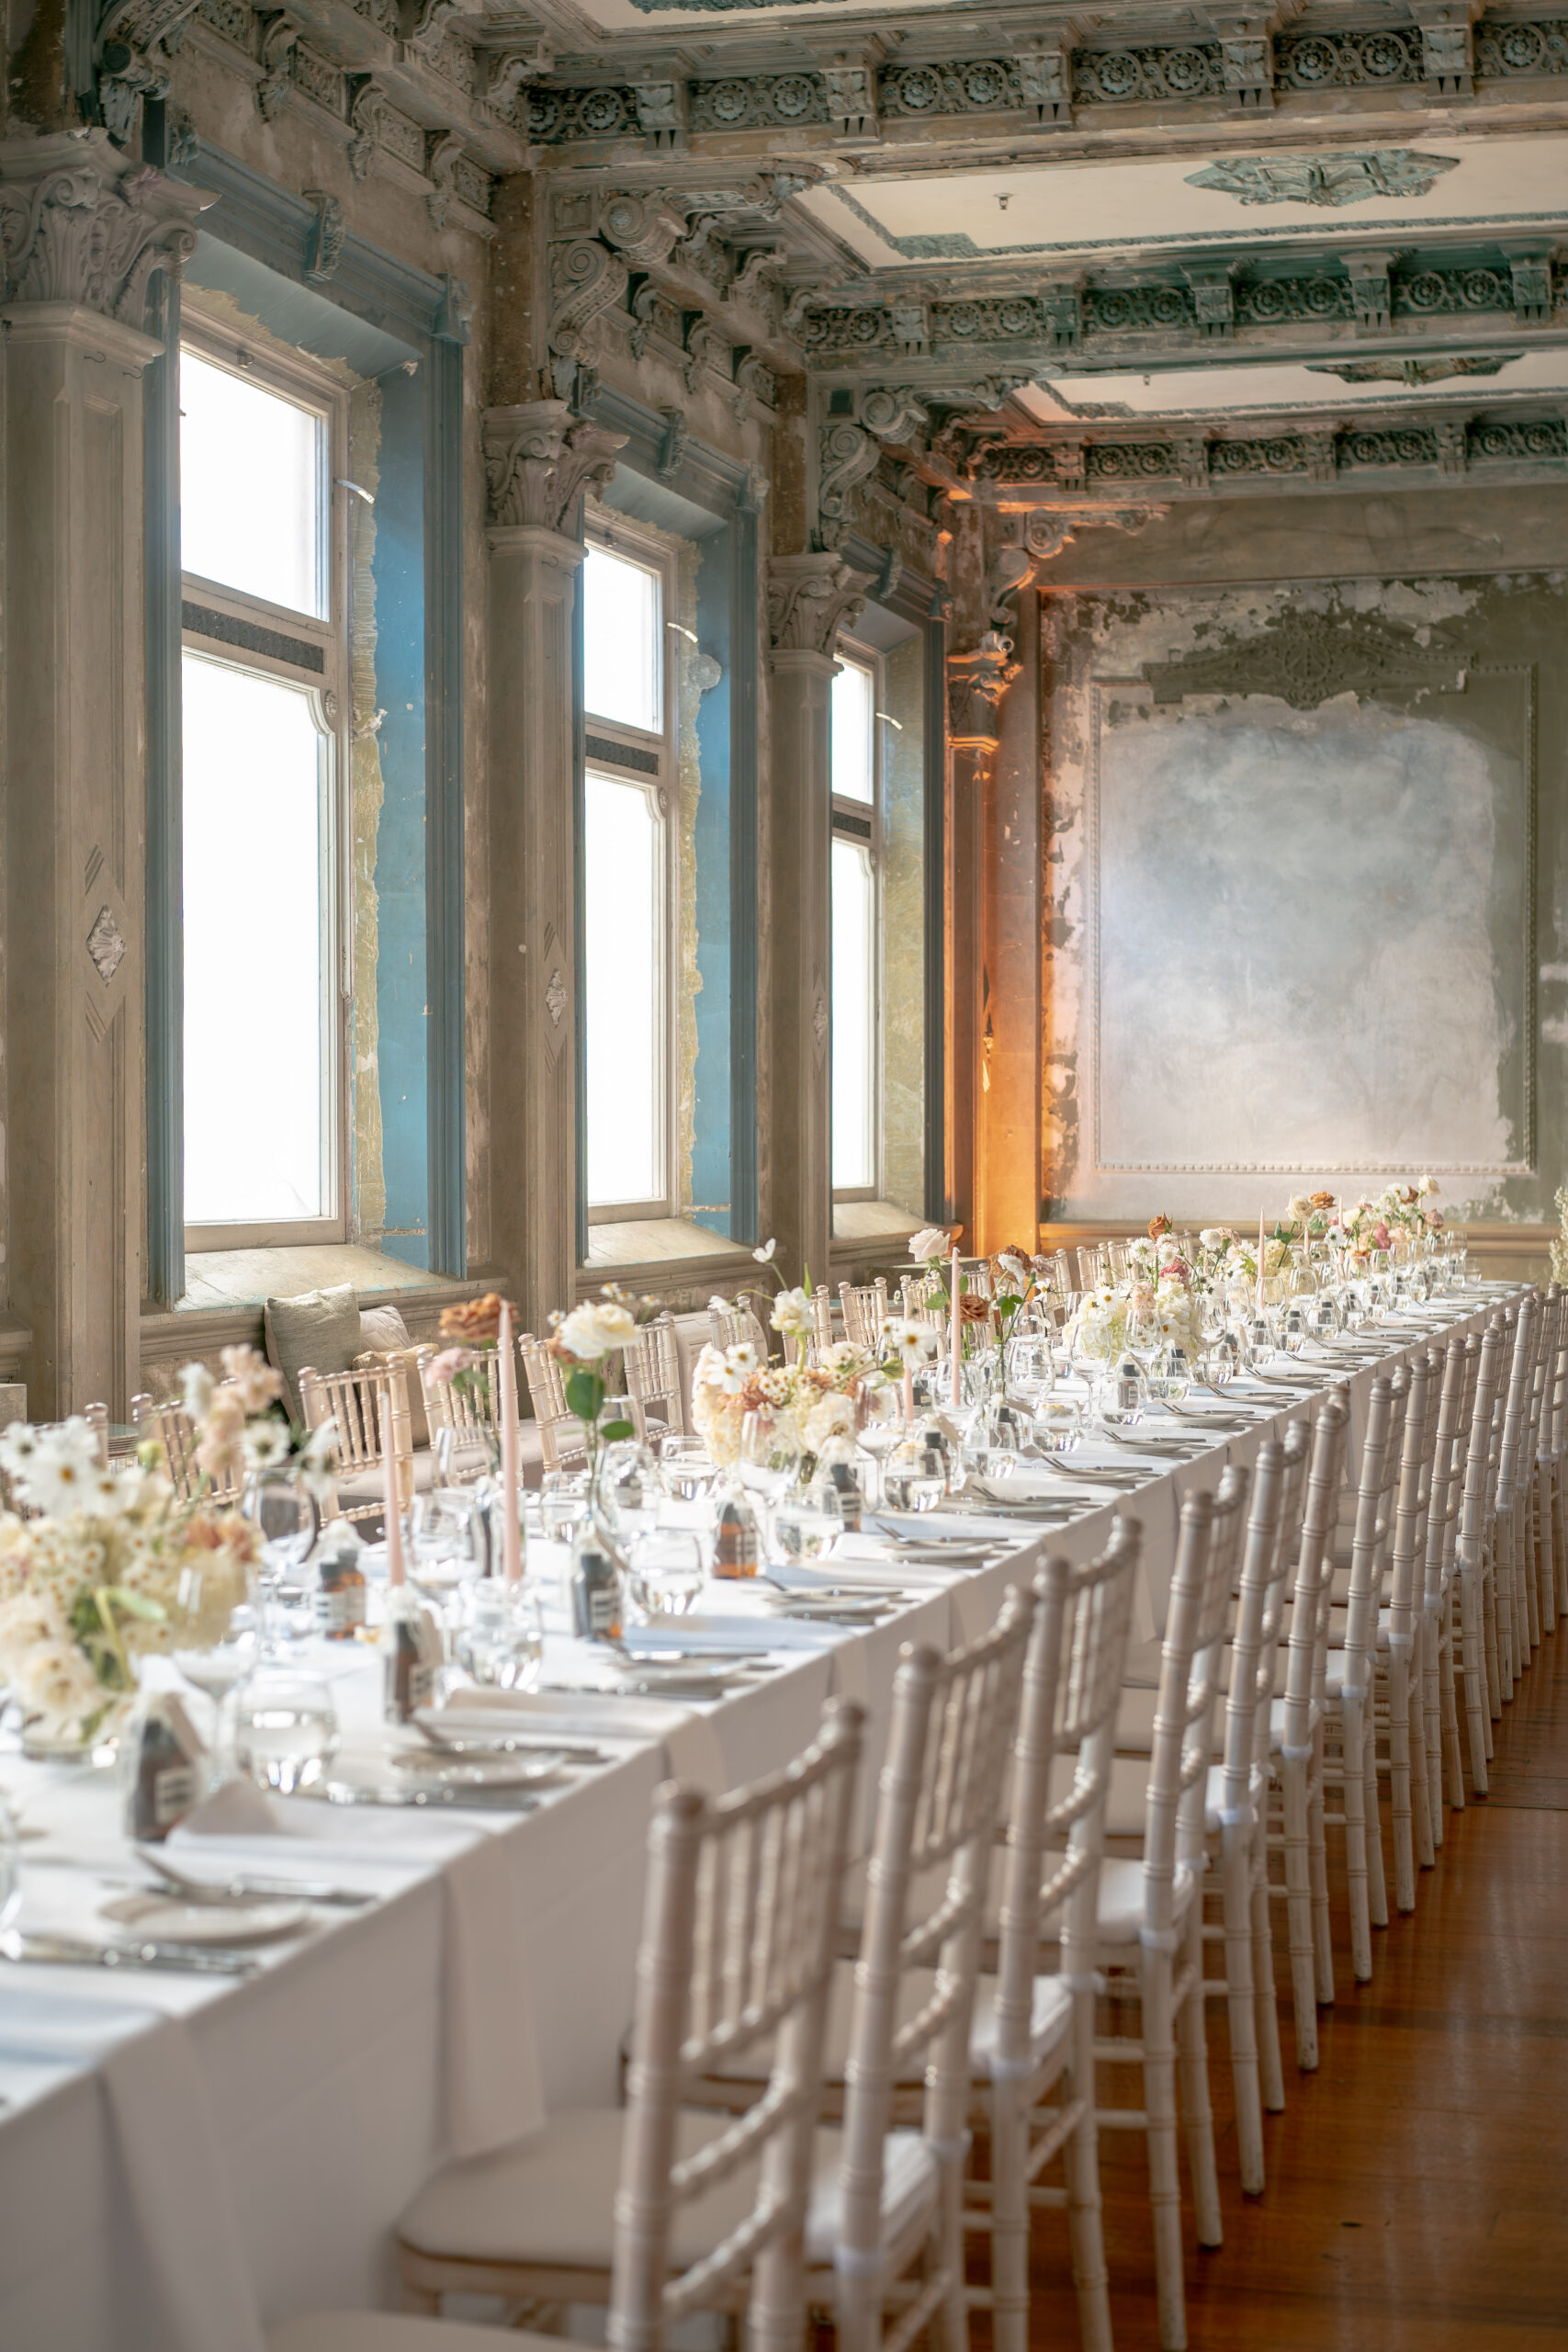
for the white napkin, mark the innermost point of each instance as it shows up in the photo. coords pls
(177, 2189)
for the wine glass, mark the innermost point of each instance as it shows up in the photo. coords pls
(686, 1469)
(1124, 1394)
(288, 1518)
(563, 1500)
(769, 1459)
(1030, 1368)
(215, 1644)
(1058, 1423)
(442, 1553)
(664, 1571)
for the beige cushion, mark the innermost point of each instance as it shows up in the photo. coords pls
(394, 2332)
(321, 1328)
(384, 1339)
(548, 2199)
(1053, 2009)
(1122, 1899)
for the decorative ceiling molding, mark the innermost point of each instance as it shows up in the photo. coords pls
(1332, 179)
(1063, 475)
(1307, 659)
(1052, 86)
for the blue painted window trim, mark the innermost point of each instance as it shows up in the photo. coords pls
(274, 227)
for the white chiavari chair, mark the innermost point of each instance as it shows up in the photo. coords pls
(1038, 2038)
(1396, 1675)
(865, 1310)
(1435, 1630)
(170, 1427)
(1090, 1267)
(562, 1439)
(656, 2209)
(731, 1321)
(367, 1410)
(1531, 1552)
(953, 1724)
(654, 1384)
(1149, 1927)
(1476, 1657)
(1347, 1713)
(1299, 1753)
(1239, 1793)
(1559, 1447)
(1515, 1478)
(1057, 1278)
(1549, 1378)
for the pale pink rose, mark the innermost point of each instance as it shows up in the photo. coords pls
(445, 1368)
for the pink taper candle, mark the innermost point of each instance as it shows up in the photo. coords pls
(957, 1338)
(511, 1539)
(391, 1508)
(1260, 1261)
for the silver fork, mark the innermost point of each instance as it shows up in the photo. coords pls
(242, 1889)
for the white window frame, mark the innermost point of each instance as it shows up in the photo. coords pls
(653, 768)
(327, 688)
(850, 820)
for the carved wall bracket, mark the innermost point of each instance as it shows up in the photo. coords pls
(976, 682)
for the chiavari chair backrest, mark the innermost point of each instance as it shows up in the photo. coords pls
(1540, 1383)
(1113, 1256)
(1557, 1422)
(1090, 1264)
(1312, 1583)
(740, 1927)
(924, 1300)
(1481, 1467)
(1273, 1529)
(368, 1411)
(1459, 1361)
(1072, 1679)
(955, 1719)
(472, 1412)
(731, 1321)
(1180, 1747)
(562, 1436)
(652, 1361)
(1408, 1551)
(865, 1309)
(170, 1427)
(1056, 1277)
(1381, 1454)
(1511, 1465)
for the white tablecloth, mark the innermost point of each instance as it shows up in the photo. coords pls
(183, 2160)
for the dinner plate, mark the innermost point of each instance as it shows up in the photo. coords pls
(164, 1919)
(690, 1676)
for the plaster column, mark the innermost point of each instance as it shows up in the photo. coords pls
(811, 598)
(1009, 1188)
(538, 460)
(82, 230)
(975, 682)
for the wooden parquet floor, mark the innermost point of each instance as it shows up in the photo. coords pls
(1417, 2196)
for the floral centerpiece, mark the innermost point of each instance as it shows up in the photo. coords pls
(584, 1341)
(244, 1428)
(102, 1576)
(1398, 1215)
(1159, 1286)
(813, 1407)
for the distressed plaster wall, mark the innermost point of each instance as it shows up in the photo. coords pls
(1303, 908)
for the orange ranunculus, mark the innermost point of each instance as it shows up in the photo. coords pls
(1322, 1200)
(476, 1323)
(1158, 1225)
(971, 1308)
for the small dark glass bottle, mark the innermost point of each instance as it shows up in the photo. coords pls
(411, 1651)
(596, 1612)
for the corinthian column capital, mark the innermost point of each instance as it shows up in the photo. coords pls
(82, 225)
(538, 457)
(810, 599)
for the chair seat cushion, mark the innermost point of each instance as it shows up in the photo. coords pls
(1122, 1899)
(548, 2199)
(1053, 2009)
(395, 2332)
(1051, 2014)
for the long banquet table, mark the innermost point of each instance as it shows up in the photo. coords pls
(186, 2160)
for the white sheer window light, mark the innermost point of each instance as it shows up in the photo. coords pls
(629, 1021)
(624, 951)
(623, 641)
(855, 1018)
(856, 914)
(854, 740)
(253, 488)
(264, 680)
(255, 953)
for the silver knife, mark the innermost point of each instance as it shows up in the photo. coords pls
(77, 1951)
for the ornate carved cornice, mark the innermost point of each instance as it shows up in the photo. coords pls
(538, 458)
(975, 685)
(810, 599)
(81, 224)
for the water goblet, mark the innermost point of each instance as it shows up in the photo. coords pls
(806, 1525)
(215, 1644)
(664, 1571)
(499, 1641)
(915, 1477)
(288, 1518)
(686, 1469)
(1124, 1396)
(1058, 1423)
(563, 1500)
(285, 1730)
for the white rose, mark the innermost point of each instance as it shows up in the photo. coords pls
(929, 1244)
(55, 1679)
(1213, 1236)
(792, 1312)
(594, 1331)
